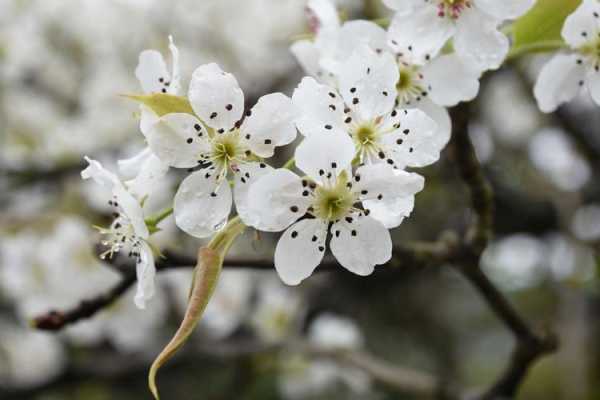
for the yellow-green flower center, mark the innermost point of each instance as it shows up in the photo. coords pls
(334, 202)
(226, 148)
(410, 86)
(592, 50)
(405, 80)
(365, 134)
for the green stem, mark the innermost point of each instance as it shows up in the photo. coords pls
(290, 164)
(537, 47)
(158, 217)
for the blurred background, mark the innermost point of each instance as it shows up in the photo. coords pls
(63, 65)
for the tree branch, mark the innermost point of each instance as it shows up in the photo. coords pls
(418, 254)
(529, 345)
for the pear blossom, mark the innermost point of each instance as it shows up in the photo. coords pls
(127, 231)
(218, 141)
(562, 78)
(145, 168)
(364, 110)
(420, 29)
(330, 197)
(442, 81)
(154, 77)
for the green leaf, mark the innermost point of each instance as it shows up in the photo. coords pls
(206, 276)
(543, 23)
(162, 103)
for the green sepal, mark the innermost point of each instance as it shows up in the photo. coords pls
(163, 103)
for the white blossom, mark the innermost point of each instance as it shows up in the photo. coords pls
(442, 81)
(420, 29)
(128, 229)
(218, 141)
(330, 196)
(562, 78)
(146, 169)
(364, 110)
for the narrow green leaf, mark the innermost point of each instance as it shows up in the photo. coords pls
(162, 103)
(206, 276)
(543, 23)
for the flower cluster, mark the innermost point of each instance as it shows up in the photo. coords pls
(371, 109)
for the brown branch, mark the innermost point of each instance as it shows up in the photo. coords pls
(417, 254)
(482, 198)
(529, 344)
(55, 320)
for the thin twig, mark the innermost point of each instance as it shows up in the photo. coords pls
(418, 254)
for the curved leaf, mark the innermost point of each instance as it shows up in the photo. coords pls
(206, 275)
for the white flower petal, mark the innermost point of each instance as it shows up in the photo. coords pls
(132, 210)
(152, 71)
(130, 206)
(450, 80)
(216, 97)
(175, 84)
(441, 117)
(318, 108)
(558, 82)
(147, 119)
(388, 193)
(390, 214)
(593, 84)
(245, 177)
(381, 182)
(421, 35)
(307, 55)
(361, 244)
(325, 12)
(99, 174)
(367, 81)
(300, 250)
(146, 271)
(415, 143)
(319, 155)
(202, 204)
(149, 177)
(276, 200)
(131, 166)
(337, 45)
(478, 42)
(270, 124)
(582, 25)
(504, 9)
(179, 140)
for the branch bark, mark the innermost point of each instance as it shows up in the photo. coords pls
(529, 344)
